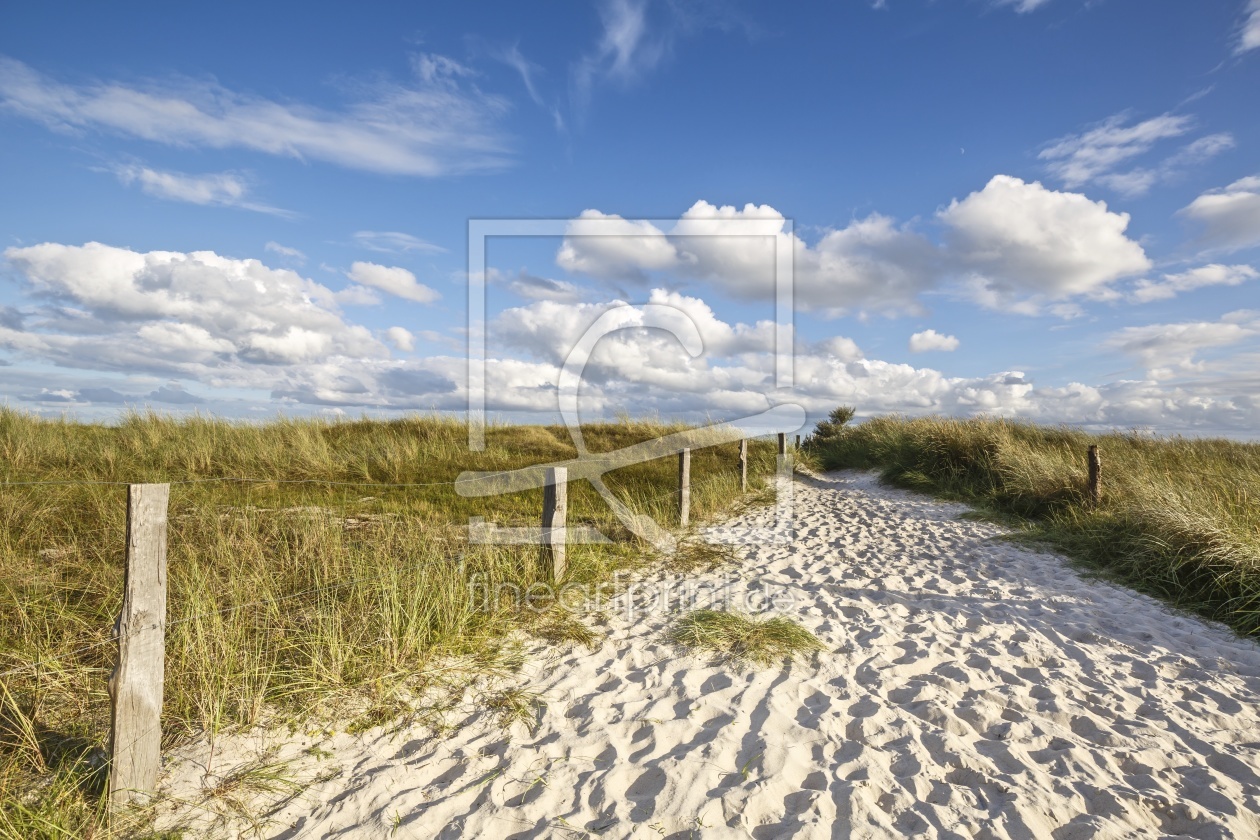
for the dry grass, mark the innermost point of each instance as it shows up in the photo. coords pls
(741, 638)
(1180, 518)
(284, 598)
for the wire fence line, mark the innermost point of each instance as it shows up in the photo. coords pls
(629, 499)
(134, 759)
(249, 480)
(42, 662)
(1110, 470)
(117, 636)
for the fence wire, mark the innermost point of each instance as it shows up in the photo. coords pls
(114, 639)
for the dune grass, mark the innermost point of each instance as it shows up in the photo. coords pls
(1179, 518)
(742, 638)
(284, 598)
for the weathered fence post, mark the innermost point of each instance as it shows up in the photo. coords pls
(555, 508)
(135, 687)
(798, 441)
(1095, 476)
(743, 465)
(684, 487)
(782, 443)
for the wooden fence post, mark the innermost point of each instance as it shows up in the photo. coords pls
(1095, 476)
(684, 487)
(135, 687)
(782, 443)
(743, 465)
(798, 441)
(555, 508)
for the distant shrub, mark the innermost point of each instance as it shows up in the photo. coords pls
(828, 430)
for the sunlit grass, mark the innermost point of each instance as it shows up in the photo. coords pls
(1179, 518)
(285, 599)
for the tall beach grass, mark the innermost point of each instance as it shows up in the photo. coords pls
(1179, 518)
(338, 591)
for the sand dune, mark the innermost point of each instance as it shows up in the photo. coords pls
(969, 688)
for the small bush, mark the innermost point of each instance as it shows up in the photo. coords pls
(827, 431)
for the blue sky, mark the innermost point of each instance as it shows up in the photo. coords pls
(1037, 208)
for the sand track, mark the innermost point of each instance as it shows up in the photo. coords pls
(970, 688)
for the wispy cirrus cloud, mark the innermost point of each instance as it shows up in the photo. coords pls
(393, 280)
(224, 189)
(531, 74)
(1140, 180)
(638, 36)
(1102, 153)
(627, 48)
(533, 287)
(285, 251)
(1230, 216)
(1167, 350)
(1249, 29)
(435, 124)
(1171, 285)
(1022, 6)
(394, 242)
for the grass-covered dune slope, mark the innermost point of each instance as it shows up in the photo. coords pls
(317, 586)
(1179, 518)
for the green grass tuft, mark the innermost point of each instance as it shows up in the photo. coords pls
(516, 705)
(742, 638)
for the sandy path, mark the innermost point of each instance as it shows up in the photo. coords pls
(970, 688)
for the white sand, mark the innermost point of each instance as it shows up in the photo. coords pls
(970, 688)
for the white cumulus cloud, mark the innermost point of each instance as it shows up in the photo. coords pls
(1021, 245)
(108, 326)
(162, 309)
(931, 340)
(401, 338)
(214, 321)
(1015, 246)
(869, 265)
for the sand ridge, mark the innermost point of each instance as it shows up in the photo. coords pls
(970, 687)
